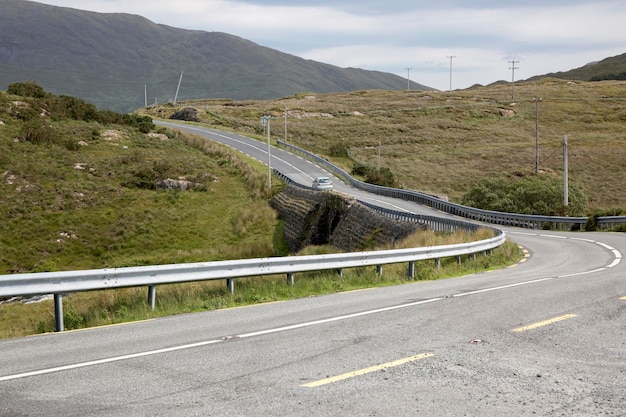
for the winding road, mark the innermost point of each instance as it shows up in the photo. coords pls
(545, 337)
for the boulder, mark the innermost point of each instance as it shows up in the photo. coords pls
(507, 112)
(183, 185)
(188, 114)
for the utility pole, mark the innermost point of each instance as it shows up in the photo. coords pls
(285, 123)
(177, 88)
(513, 68)
(265, 122)
(408, 79)
(565, 179)
(451, 56)
(537, 134)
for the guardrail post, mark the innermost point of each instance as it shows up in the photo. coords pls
(290, 278)
(58, 312)
(230, 284)
(438, 263)
(379, 270)
(152, 296)
(458, 260)
(411, 269)
(340, 272)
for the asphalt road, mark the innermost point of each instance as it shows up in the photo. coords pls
(546, 337)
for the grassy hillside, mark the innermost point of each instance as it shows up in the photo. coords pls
(443, 143)
(601, 70)
(77, 192)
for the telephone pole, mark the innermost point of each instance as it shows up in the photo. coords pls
(408, 79)
(178, 87)
(537, 133)
(265, 122)
(513, 68)
(565, 174)
(451, 56)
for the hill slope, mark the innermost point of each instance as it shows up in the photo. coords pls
(601, 69)
(445, 143)
(107, 59)
(79, 190)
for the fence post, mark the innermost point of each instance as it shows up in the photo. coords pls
(152, 296)
(58, 312)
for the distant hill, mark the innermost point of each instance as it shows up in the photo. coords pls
(608, 68)
(108, 60)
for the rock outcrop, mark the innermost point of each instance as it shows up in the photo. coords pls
(188, 114)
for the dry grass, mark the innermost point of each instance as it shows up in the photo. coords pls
(442, 143)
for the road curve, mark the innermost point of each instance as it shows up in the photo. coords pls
(544, 337)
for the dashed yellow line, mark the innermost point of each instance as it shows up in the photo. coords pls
(623, 298)
(366, 370)
(525, 257)
(544, 323)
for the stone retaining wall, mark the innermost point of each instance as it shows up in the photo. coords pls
(319, 218)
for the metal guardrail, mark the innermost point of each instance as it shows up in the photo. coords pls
(494, 217)
(59, 283)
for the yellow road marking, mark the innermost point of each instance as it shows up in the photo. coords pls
(623, 298)
(525, 257)
(543, 323)
(366, 370)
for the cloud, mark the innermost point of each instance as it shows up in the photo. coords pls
(391, 36)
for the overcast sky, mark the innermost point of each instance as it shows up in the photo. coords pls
(482, 36)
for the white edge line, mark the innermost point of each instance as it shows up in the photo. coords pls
(338, 318)
(502, 287)
(107, 360)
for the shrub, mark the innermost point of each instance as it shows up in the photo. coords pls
(67, 107)
(26, 89)
(339, 150)
(35, 131)
(373, 175)
(532, 194)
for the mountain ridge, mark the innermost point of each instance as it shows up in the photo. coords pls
(122, 61)
(108, 58)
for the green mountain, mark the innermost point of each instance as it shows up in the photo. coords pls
(607, 69)
(120, 61)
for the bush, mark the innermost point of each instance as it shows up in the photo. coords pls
(35, 131)
(26, 89)
(532, 194)
(373, 175)
(592, 221)
(339, 150)
(66, 107)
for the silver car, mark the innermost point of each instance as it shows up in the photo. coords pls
(322, 183)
